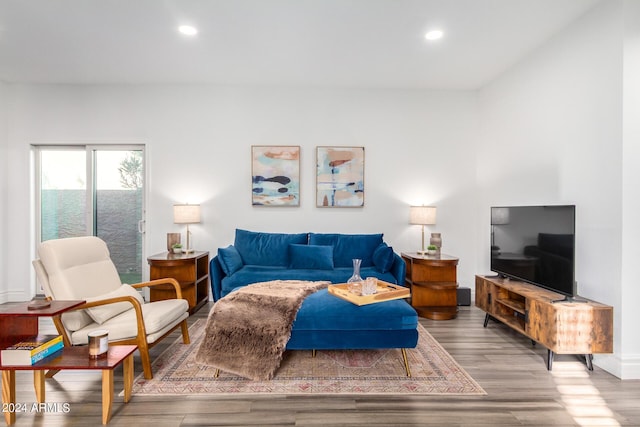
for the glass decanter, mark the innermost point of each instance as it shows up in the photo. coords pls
(355, 281)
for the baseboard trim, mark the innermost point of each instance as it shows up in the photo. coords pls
(626, 367)
(13, 296)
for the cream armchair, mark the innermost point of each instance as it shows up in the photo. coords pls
(80, 268)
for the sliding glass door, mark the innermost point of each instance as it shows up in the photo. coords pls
(63, 191)
(98, 191)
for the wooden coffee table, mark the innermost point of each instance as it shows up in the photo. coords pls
(72, 358)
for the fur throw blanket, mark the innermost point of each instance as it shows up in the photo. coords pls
(248, 330)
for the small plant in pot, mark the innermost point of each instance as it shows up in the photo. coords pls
(177, 248)
(432, 250)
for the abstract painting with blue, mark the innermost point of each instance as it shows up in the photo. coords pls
(340, 177)
(275, 171)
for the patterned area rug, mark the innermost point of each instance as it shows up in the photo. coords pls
(433, 371)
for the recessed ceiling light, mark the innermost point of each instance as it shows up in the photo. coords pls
(434, 35)
(188, 30)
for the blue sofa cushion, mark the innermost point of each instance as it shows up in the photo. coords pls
(311, 257)
(271, 249)
(346, 247)
(230, 260)
(383, 257)
(254, 273)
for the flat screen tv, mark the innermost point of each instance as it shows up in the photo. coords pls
(535, 244)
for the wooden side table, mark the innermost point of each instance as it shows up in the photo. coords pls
(72, 358)
(433, 283)
(18, 322)
(190, 270)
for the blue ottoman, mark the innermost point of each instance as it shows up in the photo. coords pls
(326, 322)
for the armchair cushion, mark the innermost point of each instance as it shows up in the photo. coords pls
(311, 257)
(102, 313)
(69, 262)
(230, 260)
(76, 319)
(159, 317)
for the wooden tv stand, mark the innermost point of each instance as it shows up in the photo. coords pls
(562, 327)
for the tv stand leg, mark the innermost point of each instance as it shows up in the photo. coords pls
(486, 319)
(588, 358)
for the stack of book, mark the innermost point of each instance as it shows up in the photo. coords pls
(31, 350)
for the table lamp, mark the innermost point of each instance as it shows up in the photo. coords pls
(186, 214)
(422, 215)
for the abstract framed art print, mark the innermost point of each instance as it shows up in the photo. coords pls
(275, 175)
(340, 177)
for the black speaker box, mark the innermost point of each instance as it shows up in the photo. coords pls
(464, 296)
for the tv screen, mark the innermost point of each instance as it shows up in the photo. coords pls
(535, 244)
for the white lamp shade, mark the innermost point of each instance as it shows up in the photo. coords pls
(422, 215)
(186, 214)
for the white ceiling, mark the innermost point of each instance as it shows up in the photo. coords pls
(343, 43)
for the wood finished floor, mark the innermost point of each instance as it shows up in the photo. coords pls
(520, 391)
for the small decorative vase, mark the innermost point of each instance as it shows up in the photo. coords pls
(172, 239)
(355, 279)
(436, 240)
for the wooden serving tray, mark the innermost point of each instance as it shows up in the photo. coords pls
(386, 292)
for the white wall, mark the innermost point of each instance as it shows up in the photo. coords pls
(552, 133)
(630, 316)
(198, 138)
(3, 191)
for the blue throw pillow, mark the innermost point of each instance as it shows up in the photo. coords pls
(230, 260)
(311, 257)
(383, 257)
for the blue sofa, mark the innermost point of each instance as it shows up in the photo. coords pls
(324, 322)
(258, 257)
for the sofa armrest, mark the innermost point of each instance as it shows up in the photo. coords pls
(216, 274)
(398, 269)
